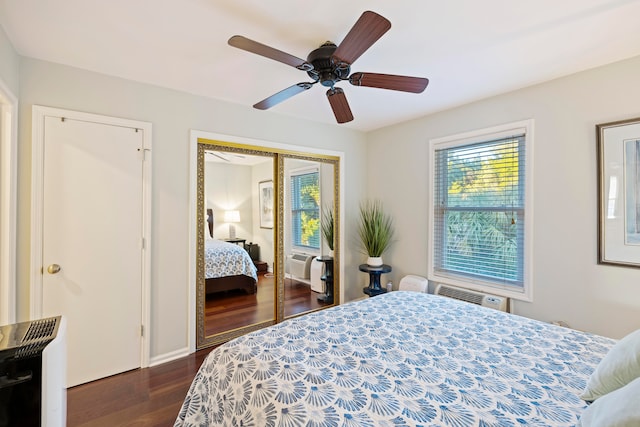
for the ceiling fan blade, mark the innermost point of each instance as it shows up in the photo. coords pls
(389, 81)
(339, 104)
(365, 32)
(269, 52)
(283, 95)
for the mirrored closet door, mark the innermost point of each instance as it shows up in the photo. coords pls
(262, 255)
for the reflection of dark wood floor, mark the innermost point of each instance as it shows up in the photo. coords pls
(234, 309)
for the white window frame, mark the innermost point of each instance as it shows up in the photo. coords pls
(477, 136)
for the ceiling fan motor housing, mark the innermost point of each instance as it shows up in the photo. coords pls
(324, 69)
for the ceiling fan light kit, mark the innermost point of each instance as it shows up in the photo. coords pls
(330, 64)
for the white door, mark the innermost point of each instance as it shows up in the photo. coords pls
(92, 243)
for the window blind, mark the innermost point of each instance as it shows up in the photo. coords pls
(479, 210)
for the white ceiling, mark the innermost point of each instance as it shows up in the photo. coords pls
(213, 156)
(469, 49)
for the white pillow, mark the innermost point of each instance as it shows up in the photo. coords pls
(620, 408)
(619, 367)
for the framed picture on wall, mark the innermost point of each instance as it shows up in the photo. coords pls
(265, 198)
(619, 192)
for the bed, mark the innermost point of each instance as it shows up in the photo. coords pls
(399, 359)
(227, 266)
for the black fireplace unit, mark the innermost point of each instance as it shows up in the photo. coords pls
(33, 373)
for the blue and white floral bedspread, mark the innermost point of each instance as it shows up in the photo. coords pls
(399, 359)
(226, 259)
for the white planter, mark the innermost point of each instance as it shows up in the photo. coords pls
(374, 261)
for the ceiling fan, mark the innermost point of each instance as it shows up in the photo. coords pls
(330, 64)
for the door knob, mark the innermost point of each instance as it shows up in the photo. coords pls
(53, 269)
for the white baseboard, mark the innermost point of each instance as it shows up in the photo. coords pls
(169, 357)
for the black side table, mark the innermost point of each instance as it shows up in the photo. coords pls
(374, 287)
(236, 241)
(327, 278)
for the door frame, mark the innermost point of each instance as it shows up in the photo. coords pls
(8, 202)
(37, 201)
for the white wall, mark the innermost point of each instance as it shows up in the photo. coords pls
(9, 63)
(263, 237)
(229, 187)
(173, 114)
(236, 187)
(568, 283)
(9, 68)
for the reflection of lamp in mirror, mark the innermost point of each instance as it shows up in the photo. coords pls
(231, 217)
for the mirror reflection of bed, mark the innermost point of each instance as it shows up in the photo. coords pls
(227, 266)
(238, 294)
(231, 283)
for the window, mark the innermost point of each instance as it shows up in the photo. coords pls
(305, 208)
(480, 214)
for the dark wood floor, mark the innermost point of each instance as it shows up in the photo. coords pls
(153, 396)
(142, 397)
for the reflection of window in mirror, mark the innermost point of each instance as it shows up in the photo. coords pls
(305, 192)
(305, 209)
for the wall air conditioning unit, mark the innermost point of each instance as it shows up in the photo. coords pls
(474, 297)
(299, 265)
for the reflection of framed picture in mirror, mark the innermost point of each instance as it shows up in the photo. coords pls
(619, 192)
(265, 194)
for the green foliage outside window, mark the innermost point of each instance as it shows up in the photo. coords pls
(310, 227)
(480, 215)
(481, 182)
(305, 210)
